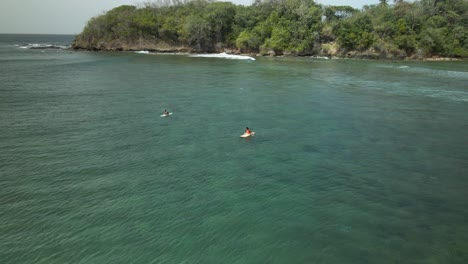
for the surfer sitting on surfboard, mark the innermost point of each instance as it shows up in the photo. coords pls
(247, 133)
(165, 112)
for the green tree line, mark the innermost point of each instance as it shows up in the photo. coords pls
(297, 27)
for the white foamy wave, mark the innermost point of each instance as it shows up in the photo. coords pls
(160, 53)
(320, 57)
(142, 52)
(393, 66)
(172, 53)
(224, 56)
(42, 46)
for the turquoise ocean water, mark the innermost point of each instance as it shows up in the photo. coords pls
(352, 161)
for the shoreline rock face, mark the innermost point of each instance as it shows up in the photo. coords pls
(328, 50)
(124, 45)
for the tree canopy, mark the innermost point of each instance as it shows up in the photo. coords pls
(298, 27)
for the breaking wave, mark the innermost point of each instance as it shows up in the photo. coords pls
(224, 56)
(219, 55)
(142, 52)
(42, 46)
(320, 57)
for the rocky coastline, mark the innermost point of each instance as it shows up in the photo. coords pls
(326, 51)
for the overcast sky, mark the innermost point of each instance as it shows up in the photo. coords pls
(69, 17)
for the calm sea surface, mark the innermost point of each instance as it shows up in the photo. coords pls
(352, 161)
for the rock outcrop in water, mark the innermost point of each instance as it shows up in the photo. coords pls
(43, 46)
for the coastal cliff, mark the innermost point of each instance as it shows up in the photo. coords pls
(149, 44)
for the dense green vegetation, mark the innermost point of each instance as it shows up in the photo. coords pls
(298, 27)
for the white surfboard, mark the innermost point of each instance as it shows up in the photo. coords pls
(247, 135)
(164, 115)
